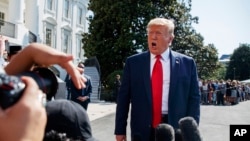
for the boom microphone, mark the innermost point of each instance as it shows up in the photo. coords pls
(189, 129)
(164, 132)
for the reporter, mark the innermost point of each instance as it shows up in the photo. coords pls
(26, 119)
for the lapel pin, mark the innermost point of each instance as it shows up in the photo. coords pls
(177, 61)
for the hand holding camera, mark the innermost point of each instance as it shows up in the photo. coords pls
(26, 119)
(11, 87)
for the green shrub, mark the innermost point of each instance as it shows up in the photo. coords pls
(106, 95)
(107, 92)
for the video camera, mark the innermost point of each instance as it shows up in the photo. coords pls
(11, 87)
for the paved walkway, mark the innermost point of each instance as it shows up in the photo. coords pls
(214, 122)
(100, 109)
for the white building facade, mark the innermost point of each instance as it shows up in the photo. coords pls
(57, 23)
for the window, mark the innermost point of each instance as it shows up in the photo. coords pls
(50, 4)
(48, 34)
(79, 46)
(1, 18)
(79, 16)
(66, 8)
(66, 42)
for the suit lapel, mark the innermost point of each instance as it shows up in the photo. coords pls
(146, 76)
(175, 62)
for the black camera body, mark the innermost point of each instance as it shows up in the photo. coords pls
(12, 87)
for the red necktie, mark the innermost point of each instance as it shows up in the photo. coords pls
(157, 82)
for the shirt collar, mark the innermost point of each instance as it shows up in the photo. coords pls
(164, 55)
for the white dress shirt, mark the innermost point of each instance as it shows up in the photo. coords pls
(165, 60)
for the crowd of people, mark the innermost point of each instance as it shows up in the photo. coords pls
(221, 92)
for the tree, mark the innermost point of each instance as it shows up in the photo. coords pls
(207, 61)
(118, 30)
(239, 65)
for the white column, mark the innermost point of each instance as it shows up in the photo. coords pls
(16, 16)
(16, 11)
(74, 28)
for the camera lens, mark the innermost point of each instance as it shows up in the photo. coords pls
(45, 79)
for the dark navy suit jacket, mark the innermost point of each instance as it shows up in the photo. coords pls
(135, 91)
(74, 93)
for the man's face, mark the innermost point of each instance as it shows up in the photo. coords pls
(118, 77)
(80, 66)
(158, 39)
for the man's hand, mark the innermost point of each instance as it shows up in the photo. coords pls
(44, 55)
(121, 138)
(82, 98)
(26, 119)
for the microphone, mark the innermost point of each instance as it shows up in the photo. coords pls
(189, 129)
(164, 132)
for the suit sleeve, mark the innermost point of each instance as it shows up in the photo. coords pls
(123, 102)
(194, 99)
(75, 93)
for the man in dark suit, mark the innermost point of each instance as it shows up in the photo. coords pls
(80, 96)
(117, 85)
(178, 85)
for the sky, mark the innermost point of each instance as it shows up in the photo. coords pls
(224, 23)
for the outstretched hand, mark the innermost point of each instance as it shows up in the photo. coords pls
(44, 55)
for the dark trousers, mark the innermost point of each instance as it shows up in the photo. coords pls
(220, 99)
(83, 104)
